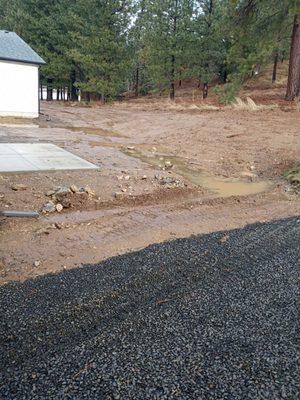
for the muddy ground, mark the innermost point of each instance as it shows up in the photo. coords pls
(162, 174)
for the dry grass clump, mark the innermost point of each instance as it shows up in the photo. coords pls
(250, 105)
(293, 175)
(165, 105)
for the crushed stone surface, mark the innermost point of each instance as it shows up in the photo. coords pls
(208, 317)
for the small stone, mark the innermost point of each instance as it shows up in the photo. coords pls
(124, 190)
(130, 147)
(48, 207)
(144, 177)
(249, 175)
(168, 164)
(50, 193)
(19, 186)
(37, 263)
(118, 195)
(59, 207)
(58, 225)
(74, 188)
(89, 191)
(63, 190)
(41, 231)
(126, 178)
(224, 238)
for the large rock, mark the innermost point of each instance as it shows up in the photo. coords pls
(64, 196)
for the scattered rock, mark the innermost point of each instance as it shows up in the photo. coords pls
(58, 225)
(74, 189)
(19, 186)
(169, 181)
(37, 263)
(126, 178)
(250, 175)
(124, 190)
(168, 164)
(89, 191)
(48, 207)
(63, 190)
(50, 193)
(144, 177)
(59, 207)
(130, 147)
(224, 239)
(118, 195)
(41, 231)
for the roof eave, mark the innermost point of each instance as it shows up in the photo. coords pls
(23, 61)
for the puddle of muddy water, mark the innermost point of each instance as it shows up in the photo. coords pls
(221, 187)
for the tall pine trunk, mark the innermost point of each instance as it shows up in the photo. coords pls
(73, 90)
(172, 83)
(137, 77)
(205, 90)
(274, 73)
(293, 85)
(172, 77)
(49, 89)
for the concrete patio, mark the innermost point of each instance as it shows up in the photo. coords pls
(25, 157)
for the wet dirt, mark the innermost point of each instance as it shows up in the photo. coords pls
(220, 187)
(230, 163)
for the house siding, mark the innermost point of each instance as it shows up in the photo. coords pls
(19, 89)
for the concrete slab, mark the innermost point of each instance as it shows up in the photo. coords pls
(25, 157)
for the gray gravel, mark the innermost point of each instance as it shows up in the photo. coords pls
(197, 318)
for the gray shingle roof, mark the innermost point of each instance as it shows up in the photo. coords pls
(13, 48)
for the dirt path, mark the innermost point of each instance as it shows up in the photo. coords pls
(162, 175)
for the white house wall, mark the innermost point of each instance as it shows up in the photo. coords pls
(19, 88)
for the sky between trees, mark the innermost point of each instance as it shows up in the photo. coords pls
(108, 47)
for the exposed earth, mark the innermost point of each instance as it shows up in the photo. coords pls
(208, 317)
(164, 172)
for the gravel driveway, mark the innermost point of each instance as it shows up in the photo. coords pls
(209, 317)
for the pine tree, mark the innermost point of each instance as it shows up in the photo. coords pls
(210, 43)
(167, 40)
(293, 86)
(99, 46)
